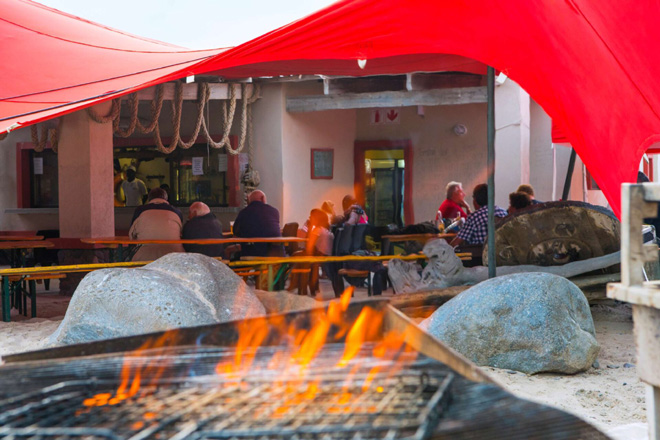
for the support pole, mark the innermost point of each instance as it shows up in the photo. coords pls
(569, 175)
(491, 173)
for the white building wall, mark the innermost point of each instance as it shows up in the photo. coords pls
(439, 155)
(267, 116)
(512, 140)
(300, 133)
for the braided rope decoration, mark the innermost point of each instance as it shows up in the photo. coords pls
(227, 119)
(177, 104)
(114, 113)
(156, 107)
(133, 108)
(203, 95)
(55, 136)
(47, 134)
(39, 142)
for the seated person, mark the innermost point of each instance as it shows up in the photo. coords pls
(527, 189)
(454, 205)
(319, 236)
(353, 213)
(202, 223)
(319, 242)
(518, 201)
(475, 229)
(258, 219)
(157, 220)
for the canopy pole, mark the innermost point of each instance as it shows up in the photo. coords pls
(491, 172)
(569, 175)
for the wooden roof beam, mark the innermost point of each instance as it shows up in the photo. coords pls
(218, 91)
(453, 96)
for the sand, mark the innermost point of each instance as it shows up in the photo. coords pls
(610, 396)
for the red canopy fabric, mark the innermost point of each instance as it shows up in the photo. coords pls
(54, 63)
(558, 135)
(591, 64)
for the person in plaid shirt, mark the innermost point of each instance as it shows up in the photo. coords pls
(475, 229)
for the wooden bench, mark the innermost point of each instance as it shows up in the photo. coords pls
(353, 273)
(14, 291)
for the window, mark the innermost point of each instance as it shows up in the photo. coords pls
(43, 179)
(196, 174)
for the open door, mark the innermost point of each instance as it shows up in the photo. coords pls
(383, 181)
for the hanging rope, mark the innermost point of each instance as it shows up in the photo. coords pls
(227, 119)
(55, 136)
(177, 103)
(39, 142)
(250, 178)
(203, 95)
(114, 113)
(156, 107)
(47, 134)
(133, 109)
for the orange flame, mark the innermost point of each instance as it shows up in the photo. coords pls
(302, 341)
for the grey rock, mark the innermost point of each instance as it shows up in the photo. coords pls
(628, 365)
(596, 365)
(177, 290)
(613, 367)
(532, 322)
(282, 302)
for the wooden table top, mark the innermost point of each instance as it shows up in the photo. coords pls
(128, 241)
(416, 237)
(21, 237)
(25, 244)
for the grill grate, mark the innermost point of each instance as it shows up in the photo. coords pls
(269, 403)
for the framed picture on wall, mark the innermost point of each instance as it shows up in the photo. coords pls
(322, 163)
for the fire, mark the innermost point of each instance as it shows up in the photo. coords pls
(299, 343)
(132, 372)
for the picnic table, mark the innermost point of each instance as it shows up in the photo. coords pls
(265, 264)
(121, 241)
(14, 296)
(387, 240)
(21, 237)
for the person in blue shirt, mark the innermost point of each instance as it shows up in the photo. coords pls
(475, 229)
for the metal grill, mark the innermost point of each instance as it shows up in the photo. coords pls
(269, 403)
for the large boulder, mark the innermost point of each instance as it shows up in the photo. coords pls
(177, 290)
(530, 322)
(284, 302)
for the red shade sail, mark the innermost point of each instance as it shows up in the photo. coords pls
(593, 65)
(54, 63)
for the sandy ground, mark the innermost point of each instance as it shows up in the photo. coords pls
(610, 395)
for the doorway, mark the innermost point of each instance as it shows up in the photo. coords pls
(383, 181)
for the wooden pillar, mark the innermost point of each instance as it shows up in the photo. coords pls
(86, 176)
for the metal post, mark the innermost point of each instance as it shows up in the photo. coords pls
(491, 173)
(569, 175)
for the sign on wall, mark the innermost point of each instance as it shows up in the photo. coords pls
(322, 165)
(385, 116)
(197, 166)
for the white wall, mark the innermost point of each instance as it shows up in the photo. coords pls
(440, 155)
(267, 116)
(300, 133)
(540, 158)
(512, 140)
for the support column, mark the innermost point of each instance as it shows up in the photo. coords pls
(512, 122)
(86, 191)
(86, 176)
